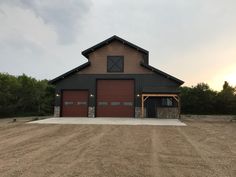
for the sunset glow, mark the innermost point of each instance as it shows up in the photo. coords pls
(231, 77)
(228, 74)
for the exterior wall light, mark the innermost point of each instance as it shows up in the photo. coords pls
(138, 95)
(57, 95)
(91, 95)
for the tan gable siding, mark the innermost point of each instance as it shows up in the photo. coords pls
(132, 59)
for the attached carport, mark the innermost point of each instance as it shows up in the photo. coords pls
(159, 93)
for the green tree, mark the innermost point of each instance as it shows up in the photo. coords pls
(198, 99)
(23, 95)
(9, 86)
(226, 100)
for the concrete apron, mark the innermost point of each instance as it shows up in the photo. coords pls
(110, 121)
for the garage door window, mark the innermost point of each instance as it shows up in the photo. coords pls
(127, 103)
(115, 103)
(68, 103)
(81, 103)
(102, 103)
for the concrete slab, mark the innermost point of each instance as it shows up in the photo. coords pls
(111, 121)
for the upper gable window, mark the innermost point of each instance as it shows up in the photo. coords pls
(115, 63)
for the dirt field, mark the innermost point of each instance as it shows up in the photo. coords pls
(203, 148)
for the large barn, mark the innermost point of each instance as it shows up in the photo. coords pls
(117, 81)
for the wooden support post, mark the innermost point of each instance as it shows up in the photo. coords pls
(179, 105)
(145, 99)
(176, 98)
(142, 109)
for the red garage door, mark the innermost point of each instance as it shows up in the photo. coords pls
(115, 98)
(75, 103)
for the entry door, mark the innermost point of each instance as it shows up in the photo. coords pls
(75, 103)
(115, 98)
(151, 107)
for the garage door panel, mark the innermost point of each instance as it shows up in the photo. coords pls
(115, 98)
(75, 103)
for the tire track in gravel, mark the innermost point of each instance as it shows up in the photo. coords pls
(11, 131)
(64, 153)
(126, 151)
(23, 138)
(32, 150)
(119, 145)
(155, 167)
(175, 155)
(84, 152)
(211, 164)
(119, 153)
(203, 158)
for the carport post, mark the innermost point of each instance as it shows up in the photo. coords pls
(179, 105)
(142, 108)
(143, 100)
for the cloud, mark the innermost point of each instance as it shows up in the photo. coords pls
(29, 45)
(65, 16)
(192, 40)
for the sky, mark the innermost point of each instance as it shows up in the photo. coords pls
(194, 41)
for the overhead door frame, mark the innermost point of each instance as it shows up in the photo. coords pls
(121, 79)
(61, 100)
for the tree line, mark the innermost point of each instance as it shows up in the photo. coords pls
(25, 96)
(201, 99)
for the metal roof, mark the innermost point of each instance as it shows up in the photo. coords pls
(161, 73)
(109, 40)
(77, 69)
(105, 42)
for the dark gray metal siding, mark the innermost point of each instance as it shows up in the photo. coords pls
(88, 81)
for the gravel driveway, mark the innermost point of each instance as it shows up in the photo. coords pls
(203, 148)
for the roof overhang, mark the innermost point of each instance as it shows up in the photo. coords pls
(77, 69)
(155, 70)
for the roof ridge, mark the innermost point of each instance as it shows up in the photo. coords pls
(105, 42)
